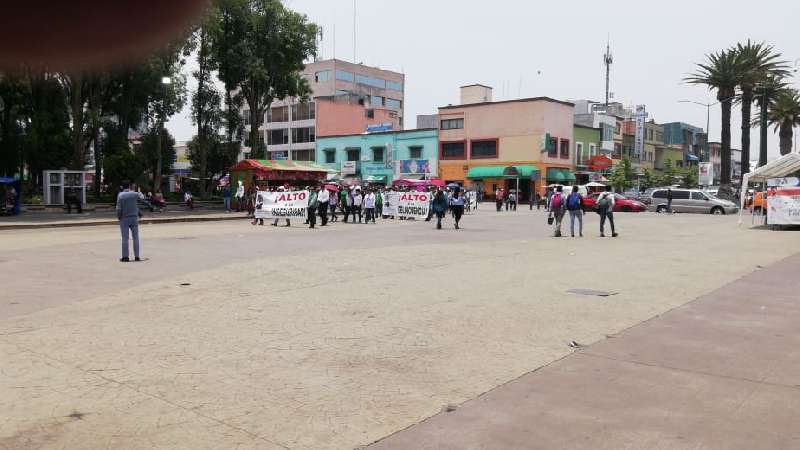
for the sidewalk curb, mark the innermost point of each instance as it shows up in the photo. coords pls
(146, 221)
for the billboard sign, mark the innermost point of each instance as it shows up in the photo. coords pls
(641, 119)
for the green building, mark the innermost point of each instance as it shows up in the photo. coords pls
(586, 143)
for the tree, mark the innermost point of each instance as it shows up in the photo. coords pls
(722, 72)
(13, 118)
(767, 91)
(261, 47)
(220, 156)
(76, 91)
(784, 115)
(155, 153)
(758, 60)
(622, 176)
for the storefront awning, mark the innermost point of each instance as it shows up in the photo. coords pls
(517, 171)
(560, 175)
(376, 179)
(691, 157)
(280, 165)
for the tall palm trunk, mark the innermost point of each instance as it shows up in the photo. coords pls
(747, 103)
(725, 177)
(762, 148)
(786, 134)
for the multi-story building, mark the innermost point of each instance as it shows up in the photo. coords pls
(715, 158)
(290, 127)
(691, 138)
(586, 146)
(383, 156)
(490, 144)
(588, 115)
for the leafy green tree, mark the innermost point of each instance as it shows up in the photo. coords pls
(622, 176)
(13, 118)
(261, 47)
(220, 156)
(155, 153)
(722, 72)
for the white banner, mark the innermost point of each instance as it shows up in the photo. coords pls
(413, 205)
(705, 174)
(783, 206)
(390, 200)
(641, 118)
(282, 205)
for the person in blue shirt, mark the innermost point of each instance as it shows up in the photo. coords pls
(457, 205)
(439, 207)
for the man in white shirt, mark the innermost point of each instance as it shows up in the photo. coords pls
(369, 206)
(358, 201)
(605, 207)
(323, 198)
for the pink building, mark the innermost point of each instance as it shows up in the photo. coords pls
(338, 116)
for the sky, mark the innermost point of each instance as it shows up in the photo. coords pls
(554, 49)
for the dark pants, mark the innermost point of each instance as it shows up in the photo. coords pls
(356, 211)
(499, 205)
(332, 208)
(669, 205)
(610, 216)
(513, 206)
(348, 210)
(370, 215)
(439, 217)
(323, 213)
(78, 206)
(458, 211)
(312, 217)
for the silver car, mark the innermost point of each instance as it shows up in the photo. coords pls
(691, 201)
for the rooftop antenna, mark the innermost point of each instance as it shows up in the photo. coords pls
(320, 41)
(608, 60)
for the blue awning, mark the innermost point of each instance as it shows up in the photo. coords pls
(691, 157)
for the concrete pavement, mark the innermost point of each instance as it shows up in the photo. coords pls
(63, 220)
(720, 372)
(233, 336)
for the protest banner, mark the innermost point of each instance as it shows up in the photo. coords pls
(282, 205)
(783, 201)
(390, 200)
(413, 205)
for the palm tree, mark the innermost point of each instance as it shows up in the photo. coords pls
(758, 62)
(784, 114)
(721, 72)
(765, 93)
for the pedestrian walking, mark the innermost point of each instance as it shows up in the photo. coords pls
(128, 215)
(239, 196)
(226, 198)
(512, 200)
(333, 202)
(557, 209)
(323, 199)
(498, 198)
(457, 206)
(669, 200)
(549, 196)
(275, 222)
(575, 208)
(369, 206)
(313, 203)
(258, 203)
(439, 207)
(188, 198)
(358, 202)
(605, 207)
(347, 205)
(379, 203)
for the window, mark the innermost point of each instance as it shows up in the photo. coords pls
(680, 195)
(376, 100)
(415, 152)
(618, 128)
(278, 114)
(279, 155)
(370, 113)
(302, 135)
(659, 136)
(330, 155)
(278, 137)
(322, 76)
(394, 85)
(303, 155)
(660, 194)
(699, 196)
(452, 124)
(371, 81)
(400, 120)
(592, 150)
(453, 150)
(564, 149)
(377, 154)
(392, 103)
(246, 117)
(608, 132)
(650, 135)
(617, 151)
(303, 111)
(483, 149)
(343, 75)
(579, 156)
(353, 154)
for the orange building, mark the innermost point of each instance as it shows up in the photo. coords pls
(487, 144)
(342, 115)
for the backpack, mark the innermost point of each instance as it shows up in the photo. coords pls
(555, 202)
(574, 201)
(603, 202)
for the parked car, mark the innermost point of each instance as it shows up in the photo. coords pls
(691, 201)
(621, 203)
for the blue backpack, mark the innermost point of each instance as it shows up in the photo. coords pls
(574, 201)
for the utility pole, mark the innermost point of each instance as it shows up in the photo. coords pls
(608, 60)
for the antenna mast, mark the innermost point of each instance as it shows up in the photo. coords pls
(608, 60)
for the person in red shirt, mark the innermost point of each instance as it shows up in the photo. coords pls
(498, 198)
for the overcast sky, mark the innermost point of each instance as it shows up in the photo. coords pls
(550, 49)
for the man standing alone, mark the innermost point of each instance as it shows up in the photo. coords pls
(669, 200)
(128, 215)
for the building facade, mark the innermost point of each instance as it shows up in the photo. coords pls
(691, 138)
(382, 157)
(479, 139)
(587, 145)
(290, 127)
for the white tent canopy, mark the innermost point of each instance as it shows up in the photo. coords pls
(781, 167)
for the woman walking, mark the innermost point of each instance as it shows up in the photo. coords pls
(439, 208)
(457, 206)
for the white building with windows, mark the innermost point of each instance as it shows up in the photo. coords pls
(290, 128)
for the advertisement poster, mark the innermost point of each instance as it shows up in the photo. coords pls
(706, 174)
(282, 205)
(783, 201)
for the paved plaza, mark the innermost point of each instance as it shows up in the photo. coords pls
(233, 336)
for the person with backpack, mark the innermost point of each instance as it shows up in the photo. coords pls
(557, 202)
(605, 207)
(575, 208)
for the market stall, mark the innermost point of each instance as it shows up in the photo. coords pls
(268, 173)
(780, 185)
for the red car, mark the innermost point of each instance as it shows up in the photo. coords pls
(621, 203)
